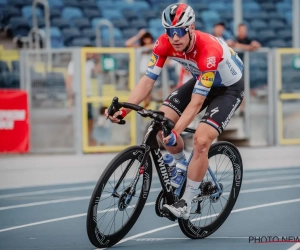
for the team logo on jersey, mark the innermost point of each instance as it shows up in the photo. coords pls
(152, 61)
(211, 62)
(207, 79)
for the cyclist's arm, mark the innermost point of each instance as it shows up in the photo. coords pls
(189, 113)
(141, 91)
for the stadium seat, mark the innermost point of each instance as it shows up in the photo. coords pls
(3, 67)
(268, 6)
(111, 14)
(90, 14)
(130, 15)
(69, 34)
(283, 7)
(107, 5)
(258, 25)
(278, 43)
(89, 33)
(70, 13)
(139, 24)
(18, 26)
(199, 7)
(120, 43)
(56, 4)
(27, 12)
(219, 6)
(285, 34)
(251, 7)
(60, 23)
(265, 35)
(3, 3)
(120, 23)
(276, 24)
(209, 18)
(129, 32)
(80, 42)
(87, 4)
(71, 3)
(105, 34)
(81, 23)
(140, 6)
(9, 12)
(56, 38)
(15, 66)
(20, 3)
(148, 15)
(10, 80)
(155, 23)
(55, 13)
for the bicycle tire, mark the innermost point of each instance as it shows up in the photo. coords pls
(97, 237)
(187, 226)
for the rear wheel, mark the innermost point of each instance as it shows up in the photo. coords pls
(116, 204)
(209, 211)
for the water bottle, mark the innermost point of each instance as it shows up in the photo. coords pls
(181, 170)
(170, 165)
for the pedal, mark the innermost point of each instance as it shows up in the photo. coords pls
(169, 215)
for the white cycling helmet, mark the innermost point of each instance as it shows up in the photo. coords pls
(178, 15)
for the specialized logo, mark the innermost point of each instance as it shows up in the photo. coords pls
(213, 111)
(173, 93)
(173, 9)
(207, 79)
(211, 62)
(176, 100)
(152, 61)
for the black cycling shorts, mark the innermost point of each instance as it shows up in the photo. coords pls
(221, 102)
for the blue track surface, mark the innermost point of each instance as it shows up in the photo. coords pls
(53, 217)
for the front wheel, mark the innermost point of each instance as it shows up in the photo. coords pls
(208, 211)
(116, 202)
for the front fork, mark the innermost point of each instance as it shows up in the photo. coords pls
(139, 172)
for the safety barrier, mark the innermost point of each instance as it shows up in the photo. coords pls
(288, 96)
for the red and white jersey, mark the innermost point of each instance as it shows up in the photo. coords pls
(210, 61)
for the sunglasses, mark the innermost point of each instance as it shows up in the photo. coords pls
(178, 31)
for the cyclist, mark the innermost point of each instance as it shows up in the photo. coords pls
(216, 85)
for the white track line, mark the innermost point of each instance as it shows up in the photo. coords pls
(160, 239)
(62, 190)
(152, 190)
(233, 211)
(51, 191)
(295, 247)
(148, 232)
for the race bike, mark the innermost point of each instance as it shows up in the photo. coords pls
(123, 188)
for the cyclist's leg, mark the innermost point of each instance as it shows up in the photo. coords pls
(174, 106)
(222, 104)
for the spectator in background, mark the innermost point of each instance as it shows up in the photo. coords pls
(218, 31)
(143, 39)
(91, 66)
(102, 129)
(244, 43)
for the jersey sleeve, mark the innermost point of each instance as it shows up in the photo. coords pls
(157, 59)
(208, 65)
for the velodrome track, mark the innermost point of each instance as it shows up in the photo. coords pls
(44, 199)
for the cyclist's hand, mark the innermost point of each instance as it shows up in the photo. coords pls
(116, 118)
(171, 139)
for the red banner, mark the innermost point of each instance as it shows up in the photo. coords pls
(14, 121)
